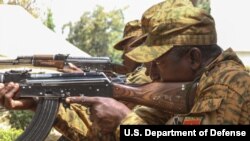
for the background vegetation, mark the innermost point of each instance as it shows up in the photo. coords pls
(95, 33)
(10, 134)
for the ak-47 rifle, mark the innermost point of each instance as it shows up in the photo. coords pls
(87, 64)
(59, 61)
(51, 88)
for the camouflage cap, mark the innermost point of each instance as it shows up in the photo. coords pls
(132, 29)
(150, 12)
(173, 22)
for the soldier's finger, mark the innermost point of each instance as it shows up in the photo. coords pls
(12, 91)
(72, 66)
(9, 91)
(84, 100)
(6, 89)
(64, 70)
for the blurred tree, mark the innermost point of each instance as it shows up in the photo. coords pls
(96, 32)
(35, 9)
(49, 20)
(29, 5)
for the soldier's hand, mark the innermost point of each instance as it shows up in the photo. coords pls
(106, 113)
(71, 68)
(8, 92)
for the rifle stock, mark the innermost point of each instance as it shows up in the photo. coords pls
(170, 97)
(51, 88)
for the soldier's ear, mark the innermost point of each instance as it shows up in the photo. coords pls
(195, 58)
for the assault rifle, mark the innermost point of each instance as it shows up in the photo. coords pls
(87, 64)
(51, 88)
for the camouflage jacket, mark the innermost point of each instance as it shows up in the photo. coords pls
(222, 96)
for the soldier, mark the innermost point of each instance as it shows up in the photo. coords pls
(182, 46)
(135, 72)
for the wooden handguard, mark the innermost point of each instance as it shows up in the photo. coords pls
(43, 57)
(49, 63)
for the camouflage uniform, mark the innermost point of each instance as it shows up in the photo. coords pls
(222, 96)
(68, 121)
(73, 121)
(142, 114)
(133, 30)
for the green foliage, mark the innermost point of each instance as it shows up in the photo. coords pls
(49, 20)
(96, 32)
(20, 119)
(29, 5)
(10, 134)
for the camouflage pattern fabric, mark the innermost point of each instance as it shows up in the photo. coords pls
(138, 76)
(132, 30)
(73, 122)
(70, 125)
(150, 12)
(222, 97)
(173, 23)
(223, 93)
(143, 115)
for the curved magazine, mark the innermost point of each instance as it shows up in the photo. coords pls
(42, 121)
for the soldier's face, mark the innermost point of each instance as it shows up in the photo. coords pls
(170, 68)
